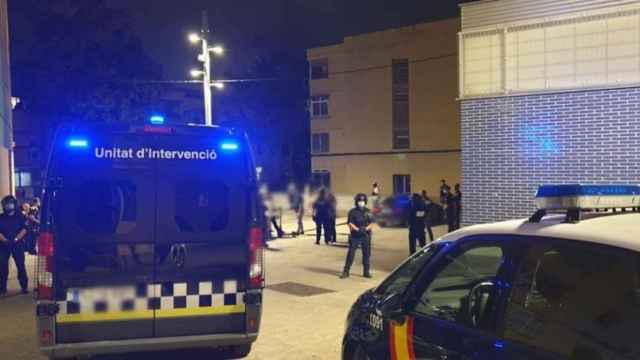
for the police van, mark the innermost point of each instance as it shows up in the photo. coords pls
(562, 284)
(151, 240)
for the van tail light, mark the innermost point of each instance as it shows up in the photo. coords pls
(256, 258)
(45, 264)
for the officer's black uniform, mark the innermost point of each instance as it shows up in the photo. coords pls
(451, 212)
(361, 218)
(417, 216)
(12, 224)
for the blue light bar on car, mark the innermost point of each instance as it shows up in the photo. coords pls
(229, 146)
(561, 197)
(157, 120)
(77, 143)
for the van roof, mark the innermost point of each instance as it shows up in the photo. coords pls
(124, 127)
(614, 229)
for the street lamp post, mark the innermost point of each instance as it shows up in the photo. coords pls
(205, 58)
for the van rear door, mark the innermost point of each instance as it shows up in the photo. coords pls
(203, 221)
(103, 206)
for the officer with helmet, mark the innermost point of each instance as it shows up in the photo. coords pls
(360, 224)
(13, 231)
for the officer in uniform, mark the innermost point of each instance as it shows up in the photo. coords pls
(360, 224)
(417, 216)
(13, 232)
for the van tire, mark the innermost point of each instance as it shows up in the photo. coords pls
(234, 352)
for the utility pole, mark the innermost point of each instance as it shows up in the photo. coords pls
(206, 58)
(206, 72)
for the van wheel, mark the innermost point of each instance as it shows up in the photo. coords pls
(234, 352)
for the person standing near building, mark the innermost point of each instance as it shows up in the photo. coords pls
(458, 202)
(445, 189)
(298, 207)
(333, 214)
(431, 212)
(12, 236)
(321, 217)
(450, 211)
(375, 193)
(417, 223)
(360, 224)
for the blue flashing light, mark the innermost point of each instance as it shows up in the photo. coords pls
(499, 345)
(77, 143)
(546, 191)
(229, 146)
(157, 120)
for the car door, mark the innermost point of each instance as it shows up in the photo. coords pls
(203, 221)
(453, 310)
(103, 210)
(572, 300)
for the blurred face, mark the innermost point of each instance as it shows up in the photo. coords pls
(9, 207)
(26, 208)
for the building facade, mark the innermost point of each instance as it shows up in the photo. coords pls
(6, 139)
(550, 93)
(383, 109)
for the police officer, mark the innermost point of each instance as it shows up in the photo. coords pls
(450, 211)
(360, 224)
(12, 236)
(417, 216)
(431, 212)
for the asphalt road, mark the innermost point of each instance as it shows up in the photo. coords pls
(294, 326)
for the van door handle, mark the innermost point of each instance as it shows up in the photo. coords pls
(179, 255)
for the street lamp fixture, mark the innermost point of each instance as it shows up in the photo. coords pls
(217, 50)
(194, 38)
(218, 85)
(196, 73)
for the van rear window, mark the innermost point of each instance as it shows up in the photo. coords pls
(201, 206)
(102, 206)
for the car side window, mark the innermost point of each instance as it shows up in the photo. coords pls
(463, 291)
(400, 279)
(576, 299)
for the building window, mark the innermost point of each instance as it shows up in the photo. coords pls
(320, 143)
(400, 98)
(320, 106)
(23, 179)
(321, 179)
(586, 52)
(319, 69)
(401, 184)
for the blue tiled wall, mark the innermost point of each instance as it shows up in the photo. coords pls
(510, 145)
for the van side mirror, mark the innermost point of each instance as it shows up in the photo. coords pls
(391, 307)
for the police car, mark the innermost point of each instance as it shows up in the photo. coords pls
(151, 240)
(563, 284)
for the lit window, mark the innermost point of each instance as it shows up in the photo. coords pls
(320, 106)
(23, 179)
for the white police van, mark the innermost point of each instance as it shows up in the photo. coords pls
(151, 240)
(563, 284)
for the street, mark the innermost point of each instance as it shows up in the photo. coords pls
(305, 303)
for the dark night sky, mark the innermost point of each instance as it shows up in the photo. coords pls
(251, 27)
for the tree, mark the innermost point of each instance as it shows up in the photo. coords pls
(79, 60)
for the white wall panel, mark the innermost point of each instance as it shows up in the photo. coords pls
(595, 51)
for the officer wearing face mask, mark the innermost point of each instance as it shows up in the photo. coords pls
(13, 232)
(360, 224)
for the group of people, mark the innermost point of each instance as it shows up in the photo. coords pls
(19, 227)
(324, 216)
(421, 214)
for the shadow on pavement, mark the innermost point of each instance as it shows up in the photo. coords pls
(325, 271)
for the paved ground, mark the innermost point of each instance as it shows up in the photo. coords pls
(293, 327)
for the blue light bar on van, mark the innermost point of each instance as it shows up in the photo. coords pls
(157, 120)
(229, 146)
(561, 197)
(77, 143)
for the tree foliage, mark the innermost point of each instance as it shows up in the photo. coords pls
(79, 60)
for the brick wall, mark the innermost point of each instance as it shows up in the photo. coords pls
(510, 145)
